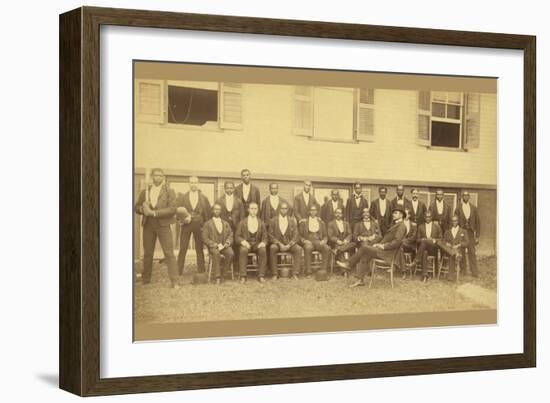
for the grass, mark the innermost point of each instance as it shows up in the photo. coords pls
(284, 298)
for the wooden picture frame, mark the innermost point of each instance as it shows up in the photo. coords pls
(79, 318)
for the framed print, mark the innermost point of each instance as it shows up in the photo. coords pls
(250, 201)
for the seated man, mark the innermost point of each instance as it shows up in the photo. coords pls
(313, 237)
(427, 236)
(251, 236)
(454, 241)
(385, 249)
(217, 235)
(283, 236)
(340, 235)
(366, 232)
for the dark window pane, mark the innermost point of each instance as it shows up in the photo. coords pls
(453, 111)
(192, 106)
(438, 110)
(445, 134)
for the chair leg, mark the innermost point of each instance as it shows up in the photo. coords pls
(209, 267)
(372, 271)
(391, 275)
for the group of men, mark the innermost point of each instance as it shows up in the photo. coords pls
(239, 223)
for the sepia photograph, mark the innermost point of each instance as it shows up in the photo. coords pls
(285, 200)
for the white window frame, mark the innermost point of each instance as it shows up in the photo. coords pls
(458, 121)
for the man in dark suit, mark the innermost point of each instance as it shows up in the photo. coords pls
(246, 191)
(314, 237)
(441, 211)
(335, 202)
(340, 236)
(468, 219)
(218, 237)
(271, 204)
(385, 249)
(454, 241)
(366, 232)
(199, 209)
(303, 202)
(418, 208)
(251, 237)
(283, 236)
(355, 205)
(429, 233)
(400, 200)
(232, 206)
(380, 210)
(157, 205)
(409, 242)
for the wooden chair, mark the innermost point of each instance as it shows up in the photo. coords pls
(209, 266)
(284, 260)
(408, 265)
(444, 266)
(316, 261)
(252, 264)
(332, 260)
(432, 265)
(381, 264)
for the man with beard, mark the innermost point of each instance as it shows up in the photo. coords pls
(418, 208)
(330, 206)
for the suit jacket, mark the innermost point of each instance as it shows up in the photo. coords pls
(448, 239)
(354, 213)
(444, 218)
(406, 203)
(165, 209)
(243, 234)
(327, 212)
(290, 237)
(392, 241)
(202, 210)
(410, 236)
(473, 223)
(234, 216)
(267, 212)
(253, 196)
(384, 221)
(305, 235)
(335, 235)
(211, 236)
(418, 216)
(360, 230)
(301, 208)
(437, 233)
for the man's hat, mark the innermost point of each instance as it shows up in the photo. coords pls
(399, 208)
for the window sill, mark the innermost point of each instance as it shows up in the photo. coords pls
(328, 140)
(452, 149)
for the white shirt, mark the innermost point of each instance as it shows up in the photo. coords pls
(357, 200)
(229, 202)
(252, 224)
(306, 197)
(340, 225)
(313, 224)
(439, 206)
(407, 224)
(218, 223)
(415, 205)
(274, 201)
(454, 231)
(466, 210)
(246, 191)
(429, 230)
(383, 207)
(194, 199)
(400, 201)
(283, 223)
(366, 224)
(334, 205)
(154, 193)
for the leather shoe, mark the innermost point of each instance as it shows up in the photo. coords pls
(358, 283)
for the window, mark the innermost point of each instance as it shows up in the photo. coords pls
(448, 119)
(333, 113)
(192, 106)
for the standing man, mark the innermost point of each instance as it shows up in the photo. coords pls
(429, 234)
(468, 219)
(283, 235)
(232, 207)
(441, 211)
(454, 241)
(400, 200)
(340, 236)
(251, 237)
(271, 204)
(380, 210)
(355, 205)
(199, 210)
(385, 249)
(218, 237)
(418, 208)
(246, 191)
(328, 209)
(157, 205)
(313, 237)
(304, 201)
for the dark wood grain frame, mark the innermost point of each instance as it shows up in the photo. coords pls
(79, 321)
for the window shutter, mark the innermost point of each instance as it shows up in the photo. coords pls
(231, 106)
(150, 101)
(302, 111)
(471, 121)
(364, 125)
(423, 134)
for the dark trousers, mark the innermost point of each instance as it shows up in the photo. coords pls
(341, 249)
(151, 231)
(472, 258)
(243, 256)
(426, 248)
(194, 227)
(295, 251)
(216, 256)
(309, 247)
(364, 254)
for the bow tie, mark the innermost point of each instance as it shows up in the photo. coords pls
(357, 197)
